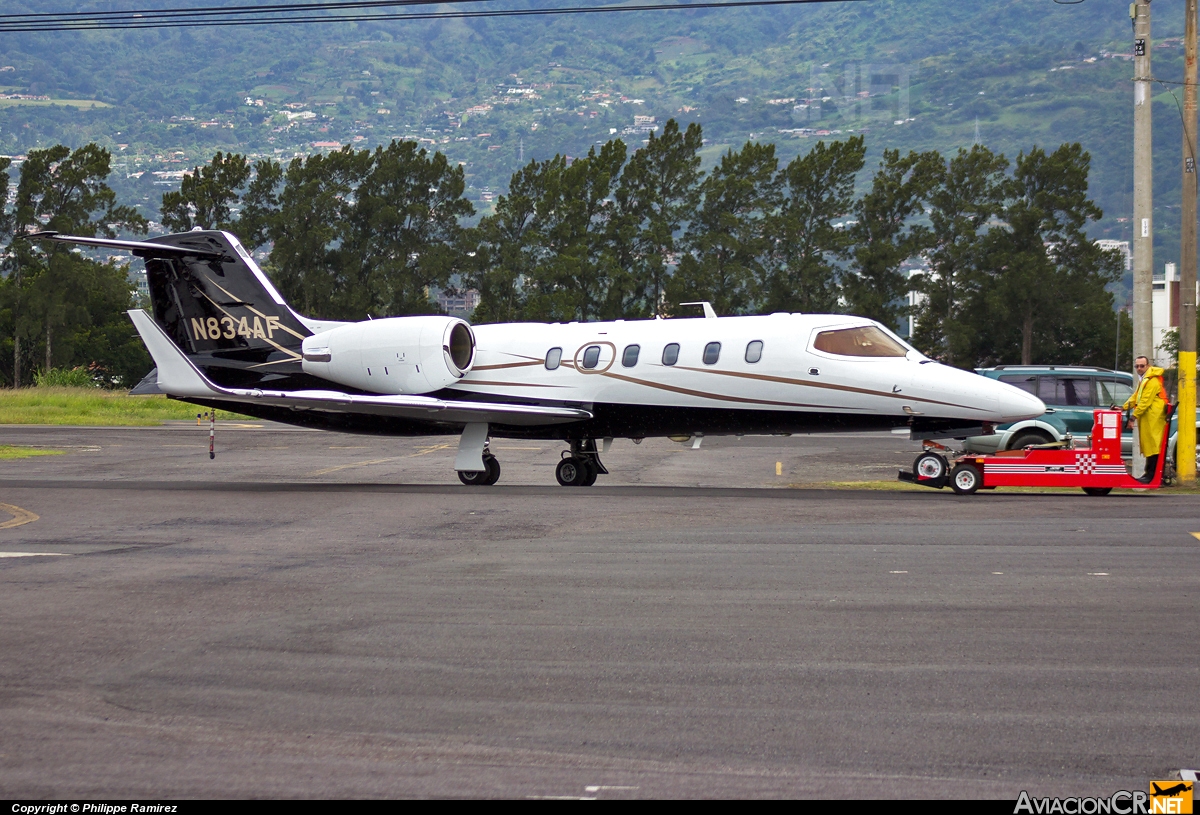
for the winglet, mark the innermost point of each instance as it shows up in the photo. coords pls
(177, 375)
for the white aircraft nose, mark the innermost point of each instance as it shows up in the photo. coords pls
(1016, 404)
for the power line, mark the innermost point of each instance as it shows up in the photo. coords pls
(200, 11)
(209, 16)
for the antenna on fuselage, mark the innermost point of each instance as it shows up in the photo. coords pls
(707, 306)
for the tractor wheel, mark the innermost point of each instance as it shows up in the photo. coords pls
(966, 479)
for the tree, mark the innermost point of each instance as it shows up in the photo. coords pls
(402, 238)
(306, 262)
(966, 193)
(1045, 279)
(10, 284)
(576, 276)
(801, 271)
(548, 251)
(206, 194)
(507, 249)
(259, 204)
(728, 240)
(358, 233)
(657, 195)
(885, 234)
(64, 191)
(207, 197)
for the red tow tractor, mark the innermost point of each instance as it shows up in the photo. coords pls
(1098, 469)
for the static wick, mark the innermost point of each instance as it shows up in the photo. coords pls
(212, 433)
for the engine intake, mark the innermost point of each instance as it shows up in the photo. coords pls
(400, 355)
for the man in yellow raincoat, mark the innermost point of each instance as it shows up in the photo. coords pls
(1149, 403)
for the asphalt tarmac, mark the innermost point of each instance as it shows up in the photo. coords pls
(322, 615)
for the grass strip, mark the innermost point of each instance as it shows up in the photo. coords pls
(9, 451)
(94, 407)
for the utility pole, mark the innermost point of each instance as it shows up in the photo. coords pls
(1143, 196)
(1185, 442)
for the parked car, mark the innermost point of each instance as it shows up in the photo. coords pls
(1071, 393)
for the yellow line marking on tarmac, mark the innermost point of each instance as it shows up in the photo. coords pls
(355, 464)
(427, 450)
(1195, 535)
(20, 516)
(34, 554)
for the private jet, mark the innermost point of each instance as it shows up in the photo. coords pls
(222, 336)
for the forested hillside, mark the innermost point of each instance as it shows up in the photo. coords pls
(496, 93)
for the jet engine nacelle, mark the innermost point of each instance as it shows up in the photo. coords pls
(397, 355)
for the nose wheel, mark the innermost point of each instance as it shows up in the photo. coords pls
(482, 479)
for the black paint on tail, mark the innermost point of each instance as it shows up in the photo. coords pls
(223, 311)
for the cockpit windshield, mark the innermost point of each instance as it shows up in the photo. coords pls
(862, 341)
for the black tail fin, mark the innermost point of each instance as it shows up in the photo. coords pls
(222, 310)
(213, 301)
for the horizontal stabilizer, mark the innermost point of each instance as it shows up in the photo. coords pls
(145, 249)
(178, 376)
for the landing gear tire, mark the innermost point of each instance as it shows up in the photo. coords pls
(1097, 491)
(493, 470)
(571, 472)
(965, 479)
(485, 478)
(591, 473)
(931, 467)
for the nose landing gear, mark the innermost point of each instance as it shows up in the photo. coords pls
(581, 466)
(482, 479)
(472, 452)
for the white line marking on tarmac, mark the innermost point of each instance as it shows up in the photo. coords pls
(1098, 574)
(997, 572)
(34, 554)
(897, 572)
(597, 788)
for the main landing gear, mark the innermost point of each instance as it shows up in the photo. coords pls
(581, 466)
(477, 467)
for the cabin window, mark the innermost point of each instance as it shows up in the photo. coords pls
(591, 357)
(671, 354)
(754, 351)
(712, 352)
(553, 358)
(863, 341)
(629, 358)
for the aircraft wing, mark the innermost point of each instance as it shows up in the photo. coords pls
(178, 376)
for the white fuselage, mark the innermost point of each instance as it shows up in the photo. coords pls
(790, 374)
